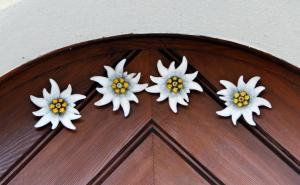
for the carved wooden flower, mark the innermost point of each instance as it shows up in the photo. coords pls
(57, 107)
(119, 87)
(174, 84)
(242, 100)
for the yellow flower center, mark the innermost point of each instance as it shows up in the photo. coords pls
(241, 99)
(58, 106)
(174, 84)
(119, 85)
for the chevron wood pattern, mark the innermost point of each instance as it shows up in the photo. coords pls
(153, 145)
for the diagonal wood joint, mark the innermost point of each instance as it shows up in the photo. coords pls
(153, 128)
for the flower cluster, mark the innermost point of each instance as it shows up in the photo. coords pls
(174, 84)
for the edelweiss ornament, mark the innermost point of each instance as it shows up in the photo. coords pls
(174, 84)
(242, 100)
(57, 107)
(119, 87)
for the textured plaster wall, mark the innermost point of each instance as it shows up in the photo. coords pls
(30, 28)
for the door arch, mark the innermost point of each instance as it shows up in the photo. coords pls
(153, 145)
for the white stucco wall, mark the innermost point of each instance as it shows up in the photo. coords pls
(30, 28)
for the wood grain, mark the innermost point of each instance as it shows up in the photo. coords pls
(17, 134)
(137, 168)
(170, 169)
(99, 138)
(282, 91)
(210, 146)
(231, 153)
(154, 163)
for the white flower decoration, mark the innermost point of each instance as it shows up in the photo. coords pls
(57, 107)
(119, 87)
(242, 100)
(174, 84)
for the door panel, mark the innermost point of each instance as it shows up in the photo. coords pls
(154, 163)
(153, 145)
(282, 89)
(17, 134)
(84, 153)
(231, 153)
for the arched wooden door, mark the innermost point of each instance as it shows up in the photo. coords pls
(153, 145)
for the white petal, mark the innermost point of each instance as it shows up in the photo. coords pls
(225, 98)
(258, 90)
(72, 116)
(136, 78)
(107, 98)
(131, 75)
(65, 120)
(72, 110)
(120, 66)
(173, 104)
(75, 97)
(102, 90)
(181, 101)
(139, 87)
(41, 112)
(47, 95)
(194, 86)
(227, 84)
(256, 109)
(54, 121)
(125, 105)
(162, 69)
(191, 76)
(185, 96)
(241, 83)
(223, 92)
(67, 92)
(116, 103)
(172, 66)
(235, 116)
(249, 118)
(55, 92)
(101, 80)
(110, 71)
(132, 97)
(252, 82)
(40, 102)
(153, 89)
(183, 66)
(262, 102)
(44, 120)
(158, 80)
(225, 112)
(162, 97)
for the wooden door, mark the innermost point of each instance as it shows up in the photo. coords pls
(153, 145)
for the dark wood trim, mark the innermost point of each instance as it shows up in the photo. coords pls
(257, 131)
